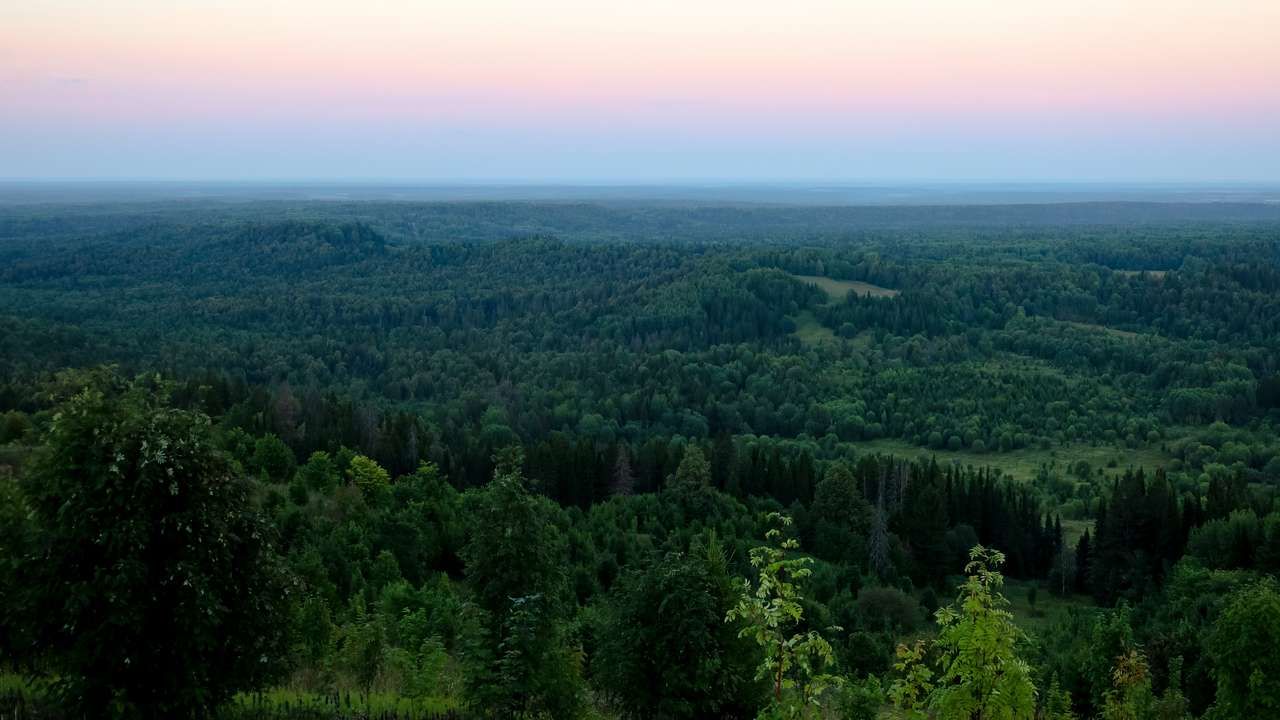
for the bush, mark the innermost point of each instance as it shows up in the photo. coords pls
(888, 609)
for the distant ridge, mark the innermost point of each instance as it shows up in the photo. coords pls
(813, 194)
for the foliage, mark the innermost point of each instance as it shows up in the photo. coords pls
(841, 517)
(663, 647)
(1130, 697)
(1243, 645)
(369, 476)
(795, 663)
(518, 656)
(978, 672)
(523, 425)
(151, 583)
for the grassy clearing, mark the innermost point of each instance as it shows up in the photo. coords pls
(377, 703)
(836, 290)
(810, 331)
(1047, 608)
(1023, 464)
(19, 694)
(16, 686)
(1073, 529)
(1102, 328)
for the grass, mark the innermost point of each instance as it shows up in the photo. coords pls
(15, 684)
(810, 331)
(1127, 334)
(1073, 529)
(1048, 607)
(29, 700)
(837, 289)
(1023, 464)
(376, 703)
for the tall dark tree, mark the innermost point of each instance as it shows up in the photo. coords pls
(1082, 563)
(151, 586)
(623, 480)
(515, 556)
(842, 518)
(664, 649)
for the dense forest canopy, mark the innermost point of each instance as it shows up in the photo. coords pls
(640, 459)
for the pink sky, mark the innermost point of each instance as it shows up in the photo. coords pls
(562, 89)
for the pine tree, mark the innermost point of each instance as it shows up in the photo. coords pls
(624, 481)
(878, 543)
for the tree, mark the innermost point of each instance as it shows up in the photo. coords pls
(878, 541)
(152, 586)
(623, 480)
(693, 469)
(425, 530)
(795, 663)
(888, 609)
(16, 537)
(690, 486)
(363, 643)
(369, 476)
(1243, 647)
(664, 649)
(319, 472)
(518, 657)
(1056, 703)
(978, 674)
(1172, 703)
(1110, 637)
(536, 675)
(842, 517)
(315, 631)
(273, 458)
(1130, 697)
(1082, 563)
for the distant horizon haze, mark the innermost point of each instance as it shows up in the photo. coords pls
(27, 191)
(667, 91)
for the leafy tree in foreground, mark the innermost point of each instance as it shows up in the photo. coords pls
(1243, 646)
(978, 674)
(1056, 703)
(664, 648)
(152, 587)
(1130, 697)
(15, 541)
(795, 662)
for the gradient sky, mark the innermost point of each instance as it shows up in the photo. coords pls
(641, 91)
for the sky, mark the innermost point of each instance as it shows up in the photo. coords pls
(641, 91)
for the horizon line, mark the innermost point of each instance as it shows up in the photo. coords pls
(639, 182)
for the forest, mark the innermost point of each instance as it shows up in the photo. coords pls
(292, 459)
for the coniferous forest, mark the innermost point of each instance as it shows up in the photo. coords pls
(286, 459)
